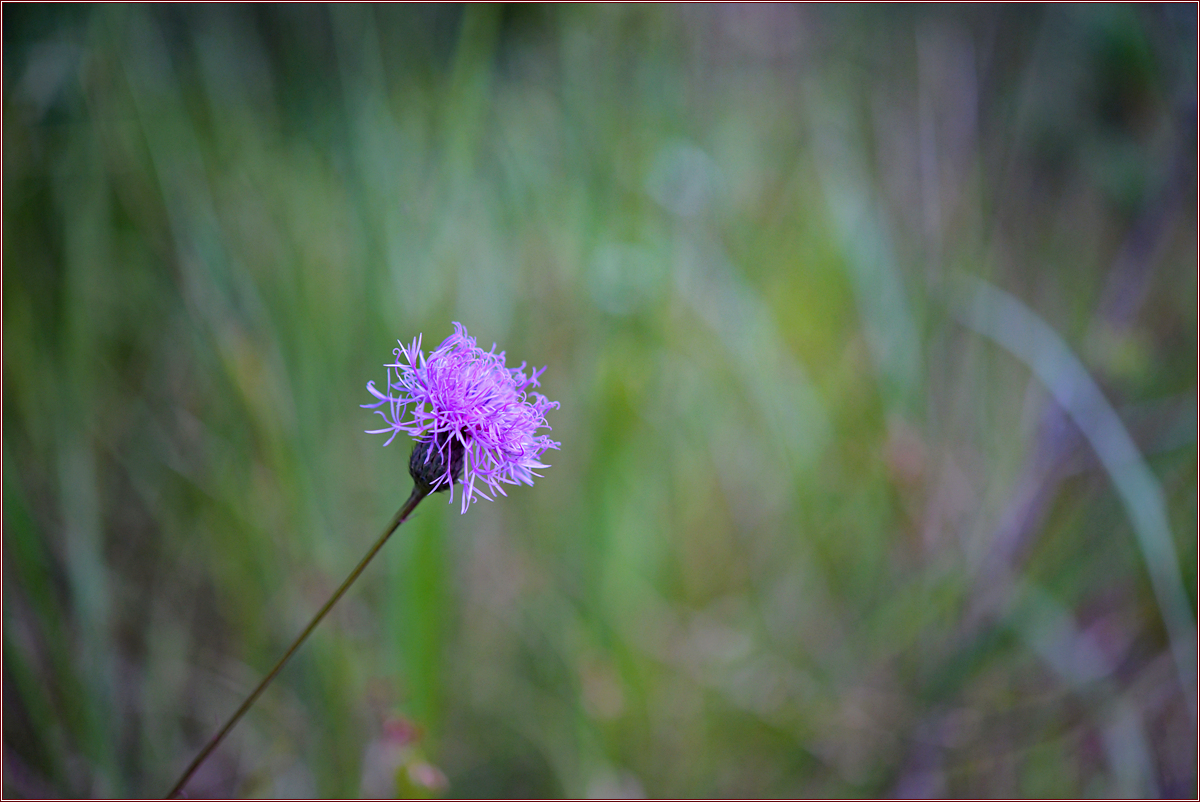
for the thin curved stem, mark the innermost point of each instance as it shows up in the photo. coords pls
(419, 492)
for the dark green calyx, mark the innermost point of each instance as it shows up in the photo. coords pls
(427, 465)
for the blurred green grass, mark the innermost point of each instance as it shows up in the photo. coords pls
(807, 535)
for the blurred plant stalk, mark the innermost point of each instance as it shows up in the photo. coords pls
(420, 491)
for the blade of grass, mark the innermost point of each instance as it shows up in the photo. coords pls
(1002, 318)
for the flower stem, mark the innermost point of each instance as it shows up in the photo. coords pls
(419, 492)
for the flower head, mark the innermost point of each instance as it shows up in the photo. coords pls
(469, 414)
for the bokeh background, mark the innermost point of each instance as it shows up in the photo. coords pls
(874, 331)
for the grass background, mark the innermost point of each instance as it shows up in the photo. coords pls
(811, 531)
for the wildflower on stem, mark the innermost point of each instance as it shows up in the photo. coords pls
(475, 422)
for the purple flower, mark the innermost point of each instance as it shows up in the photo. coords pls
(466, 411)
